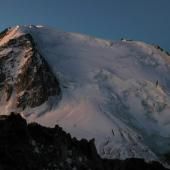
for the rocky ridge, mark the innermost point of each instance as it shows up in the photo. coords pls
(25, 74)
(34, 147)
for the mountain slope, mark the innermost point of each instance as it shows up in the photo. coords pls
(116, 92)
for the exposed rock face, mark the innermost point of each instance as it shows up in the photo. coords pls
(25, 73)
(33, 147)
(3, 33)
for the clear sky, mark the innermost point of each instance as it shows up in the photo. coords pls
(146, 20)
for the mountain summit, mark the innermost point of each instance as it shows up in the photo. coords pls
(114, 91)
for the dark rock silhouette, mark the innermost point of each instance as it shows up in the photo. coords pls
(157, 83)
(34, 147)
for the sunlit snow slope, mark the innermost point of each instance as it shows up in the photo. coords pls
(116, 92)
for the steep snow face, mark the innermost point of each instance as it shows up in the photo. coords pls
(116, 92)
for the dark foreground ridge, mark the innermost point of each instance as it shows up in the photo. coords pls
(34, 147)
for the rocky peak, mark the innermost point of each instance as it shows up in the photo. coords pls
(24, 74)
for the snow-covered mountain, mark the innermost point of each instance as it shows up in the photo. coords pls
(114, 91)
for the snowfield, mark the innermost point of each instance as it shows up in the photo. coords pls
(109, 92)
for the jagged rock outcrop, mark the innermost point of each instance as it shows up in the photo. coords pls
(33, 147)
(25, 73)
